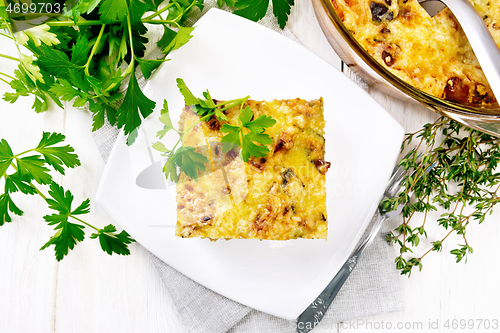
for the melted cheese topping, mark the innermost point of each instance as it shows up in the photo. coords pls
(280, 196)
(430, 53)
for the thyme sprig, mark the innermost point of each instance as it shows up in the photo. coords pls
(463, 181)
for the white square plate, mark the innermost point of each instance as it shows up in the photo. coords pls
(233, 57)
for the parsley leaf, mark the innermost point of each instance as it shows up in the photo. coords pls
(65, 90)
(61, 201)
(149, 65)
(137, 8)
(204, 107)
(246, 141)
(249, 148)
(252, 9)
(112, 242)
(113, 11)
(38, 34)
(32, 70)
(54, 61)
(190, 161)
(20, 90)
(3, 12)
(98, 119)
(185, 157)
(24, 85)
(57, 156)
(134, 101)
(169, 169)
(68, 234)
(6, 156)
(86, 6)
(189, 98)
(80, 50)
(181, 38)
(34, 168)
(153, 4)
(256, 9)
(6, 206)
(66, 237)
(260, 124)
(167, 122)
(166, 39)
(15, 182)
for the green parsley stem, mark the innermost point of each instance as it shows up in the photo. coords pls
(60, 24)
(181, 139)
(24, 152)
(189, 128)
(4, 80)
(72, 23)
(82, 221)
(38, 191)
(175, 20)
(131, 43)
(183, 134)
(9, 57)
(232, 103)
(158, 13)
(228, 105)
(7, 75)
(160, 21)
(127, 71)
(5, 35)
(94, 48)
(15, 40)
(45, 198)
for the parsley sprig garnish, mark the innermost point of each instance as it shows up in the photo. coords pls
(246, 134)
(463, 180)
(33, 166)
(246, 139)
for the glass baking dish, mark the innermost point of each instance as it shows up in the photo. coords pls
(486, 119)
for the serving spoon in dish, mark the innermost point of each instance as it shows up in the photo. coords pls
(483, 44)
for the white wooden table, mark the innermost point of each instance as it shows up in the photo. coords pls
(90, 291)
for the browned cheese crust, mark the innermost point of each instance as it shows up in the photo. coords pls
(430, 53)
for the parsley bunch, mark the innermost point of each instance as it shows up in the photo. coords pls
(191, 162)
(88, 54)
(32, 166)
(91, 53)
(463, 180)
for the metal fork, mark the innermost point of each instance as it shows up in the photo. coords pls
(483, 44)
(311, 316)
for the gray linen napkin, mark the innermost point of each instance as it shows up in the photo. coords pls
(372, 288)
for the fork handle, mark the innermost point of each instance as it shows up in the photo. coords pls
(312, 316)
(484, 46)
